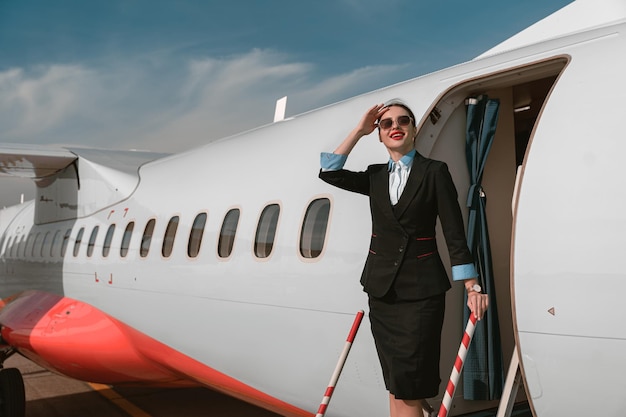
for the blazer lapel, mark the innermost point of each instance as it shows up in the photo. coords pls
(380, 193)
(416, 176)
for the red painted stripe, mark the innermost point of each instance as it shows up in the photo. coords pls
(450, 388)
(322, 409)
(329, 392)
(466, 340)
(76, 339)
(458, 364)
(442, 412)
(355, 326)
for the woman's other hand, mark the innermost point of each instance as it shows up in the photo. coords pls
(477, 303)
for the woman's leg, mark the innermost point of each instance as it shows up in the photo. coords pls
(405, 408)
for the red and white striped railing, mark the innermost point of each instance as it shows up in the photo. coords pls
(458, 366)
(342, 360)
(454, 377)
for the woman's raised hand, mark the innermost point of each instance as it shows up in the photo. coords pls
(368, 121)
(366, 125)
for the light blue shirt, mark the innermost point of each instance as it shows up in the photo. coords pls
(335, 162)
(332, 161)
(397, 181)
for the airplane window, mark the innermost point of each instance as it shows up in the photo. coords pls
(19, 246)
(43, 243)
(170, 234)
(5, 248)
(9, 245)
(35, 243)
(2, 243)
(7, 241)
(314, 228)
(27, 246)
(195, 237)
(66, 240)
(147, 238)
(15, 249)
(79, 238)
(53, 244)
(106, 246)
(15, 243)
(22, 247)
(10, 248)
(126, 239)
(227, 234)
(92, 241)
(266, 231)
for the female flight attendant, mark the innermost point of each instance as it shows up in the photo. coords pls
(403, 275)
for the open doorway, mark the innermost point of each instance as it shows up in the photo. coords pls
(528, 100)
(522, 93)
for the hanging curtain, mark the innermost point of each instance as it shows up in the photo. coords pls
(483, 372)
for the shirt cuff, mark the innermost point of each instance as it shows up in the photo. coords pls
(462, 272)
(332, 161)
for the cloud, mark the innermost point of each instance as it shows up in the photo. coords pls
(342, 86)
(32, 103)
(241, 74)
(227, 96)
(166, 108)
(71, 104)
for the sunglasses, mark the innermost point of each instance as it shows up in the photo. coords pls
(401, 120)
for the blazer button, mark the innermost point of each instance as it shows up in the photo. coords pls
(401, 248)
(395, 263)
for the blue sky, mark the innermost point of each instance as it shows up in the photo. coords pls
(171, 75)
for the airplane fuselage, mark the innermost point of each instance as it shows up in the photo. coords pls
(255, 289)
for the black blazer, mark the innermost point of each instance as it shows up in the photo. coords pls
(403, 251)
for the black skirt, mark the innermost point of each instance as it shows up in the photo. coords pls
(408, 341)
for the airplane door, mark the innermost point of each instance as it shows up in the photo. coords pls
(567, 274)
